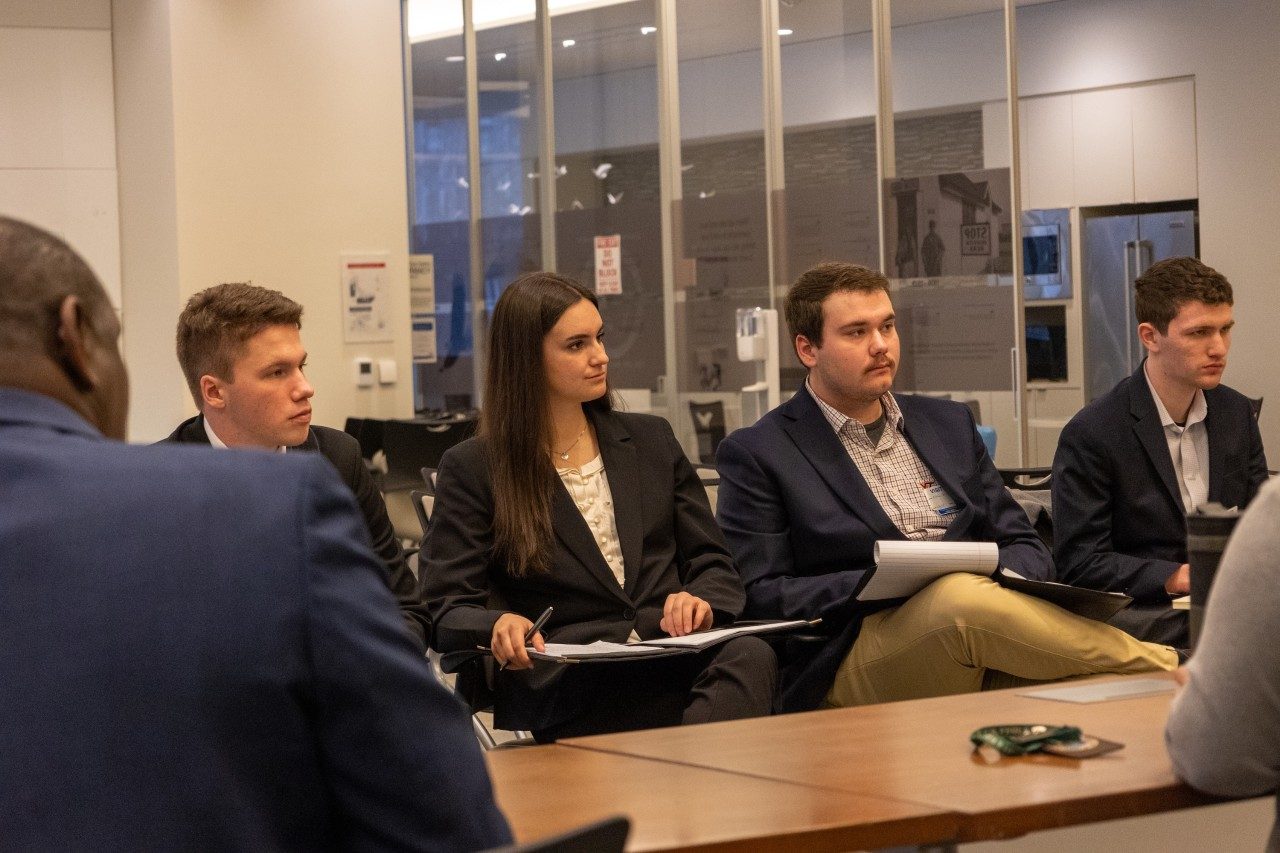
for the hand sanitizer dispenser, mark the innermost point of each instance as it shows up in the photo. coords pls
(758, 343)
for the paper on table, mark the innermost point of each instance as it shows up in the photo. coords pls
(1104, 691)
(904, 568)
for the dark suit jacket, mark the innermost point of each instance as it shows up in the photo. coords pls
(669, 543)
(1118, 519)
(343, 452)
(198, 651)
(802, 522)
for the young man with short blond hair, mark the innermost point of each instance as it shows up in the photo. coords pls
(241, 353)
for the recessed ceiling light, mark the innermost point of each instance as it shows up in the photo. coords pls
(645, 31)
(498, 57)
(785, 32)
(454, 58)
(568, 43)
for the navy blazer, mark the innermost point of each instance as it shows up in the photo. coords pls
(198, 651)
(667, 534)
(802, 522)
(343, 453)
(1118, 519)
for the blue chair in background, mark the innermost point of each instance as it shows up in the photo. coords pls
(988, 435)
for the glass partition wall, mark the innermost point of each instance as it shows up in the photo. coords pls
(689, 158)
(948, 216)
(608, 228)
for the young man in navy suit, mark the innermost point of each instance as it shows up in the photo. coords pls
(807, 491)
(240, 348)
(197, 649)
(1162, 443)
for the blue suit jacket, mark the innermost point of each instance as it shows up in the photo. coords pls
(802, 522)
(1118, 519)
(198, 650)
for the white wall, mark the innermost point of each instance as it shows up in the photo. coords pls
(57, 130)
(287, 143)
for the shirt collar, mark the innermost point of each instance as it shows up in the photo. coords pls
(1197, 413)
(838, 420)
(217, 442)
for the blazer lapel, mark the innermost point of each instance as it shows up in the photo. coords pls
(572, 531)
(818, 443)
(1217, 427)
(623, 469)
(937, 458)
(1150, 433)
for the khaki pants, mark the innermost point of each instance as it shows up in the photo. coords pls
(964, 632)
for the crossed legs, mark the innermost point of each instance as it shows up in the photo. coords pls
(964, 631)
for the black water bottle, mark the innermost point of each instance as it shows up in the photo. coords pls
(1208, 529)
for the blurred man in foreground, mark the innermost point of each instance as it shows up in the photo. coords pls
(197, 649)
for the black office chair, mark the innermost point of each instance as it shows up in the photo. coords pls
(423, 502)
(411, 446)
(1026, 478)
(708, 426)
(710, 478)
(603, 836)
(471, 675)
(1030, 487)
(368, 433)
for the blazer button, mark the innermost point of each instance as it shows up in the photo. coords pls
(628, 614)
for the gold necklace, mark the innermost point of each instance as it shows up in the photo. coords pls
(569, 449)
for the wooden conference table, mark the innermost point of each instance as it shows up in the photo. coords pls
(881, 775)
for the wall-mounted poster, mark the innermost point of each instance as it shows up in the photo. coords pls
(950, 224)
(422, 307)
(365, 291)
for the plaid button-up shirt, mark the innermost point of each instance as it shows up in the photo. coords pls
(893, 470)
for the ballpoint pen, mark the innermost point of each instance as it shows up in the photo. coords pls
(533, 629)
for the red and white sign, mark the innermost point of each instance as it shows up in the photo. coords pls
(609, 265)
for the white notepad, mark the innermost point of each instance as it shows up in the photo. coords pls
(905, 568)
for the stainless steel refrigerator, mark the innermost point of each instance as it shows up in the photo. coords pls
(1119, 244)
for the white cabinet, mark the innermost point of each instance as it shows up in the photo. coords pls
(1048, 410)
(1048, 161)
(1110, 146)
(1102, 137)
(1164, 141)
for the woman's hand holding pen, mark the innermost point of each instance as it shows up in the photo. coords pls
(508, 641)
(684, 613)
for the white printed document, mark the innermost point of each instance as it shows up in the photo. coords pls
(660, 646)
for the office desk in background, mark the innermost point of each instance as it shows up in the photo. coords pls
(808, 778)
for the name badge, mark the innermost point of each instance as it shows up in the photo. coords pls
(939, 501)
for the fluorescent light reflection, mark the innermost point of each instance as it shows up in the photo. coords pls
(433, 19)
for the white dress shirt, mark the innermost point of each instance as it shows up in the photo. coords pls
(1188, 448)
(217, 442)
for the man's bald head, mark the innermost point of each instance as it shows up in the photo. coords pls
(58, 331)
(36, 271)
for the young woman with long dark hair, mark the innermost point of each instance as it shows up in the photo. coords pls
(561, 501)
